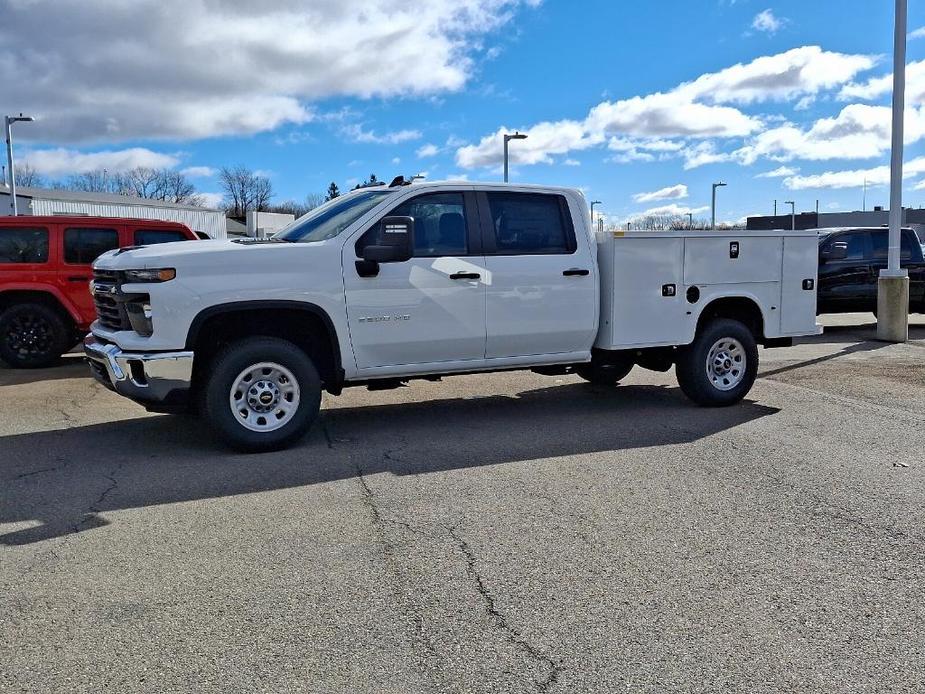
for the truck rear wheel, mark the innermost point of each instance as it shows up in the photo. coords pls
(720, 366)
(261, 394)
(32, 335)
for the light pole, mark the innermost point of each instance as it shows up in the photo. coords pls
(793, 214)
(593, 203)
(8, 125)
(690, 220)
(893, 283)
(507, 138)
(713, 205)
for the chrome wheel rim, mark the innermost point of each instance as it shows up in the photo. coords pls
(726, 363)
(264, 397)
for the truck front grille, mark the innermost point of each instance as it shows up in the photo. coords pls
(111, 311)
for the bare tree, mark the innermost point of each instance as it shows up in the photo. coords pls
(174, 187)
(99, 181)
(311, 201)
(28, 177)
(244, 190)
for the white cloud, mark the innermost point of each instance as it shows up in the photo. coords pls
(704, 153)
(396, 161)
(856, 178)
(213, 200)
(882, 85)
(859, 131)
(428, 150)
(766, 21)
(357, 133)
(61, 162)
(201, 68)
(571, 162)
(917, 33)
(670, 193)
(672, 210)
(198, 171)
(702, 109)
(779, 172)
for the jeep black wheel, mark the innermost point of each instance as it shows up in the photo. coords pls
(32, 336)
(261, 394)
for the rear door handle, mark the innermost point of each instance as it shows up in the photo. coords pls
(576, 272)
(465, 276)
(78, 278)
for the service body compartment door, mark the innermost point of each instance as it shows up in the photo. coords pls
(644, 280)
(732, 259)
(798, 288)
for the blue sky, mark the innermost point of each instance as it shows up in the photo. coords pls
(344, 89)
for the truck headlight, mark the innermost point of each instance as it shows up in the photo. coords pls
(154, 275)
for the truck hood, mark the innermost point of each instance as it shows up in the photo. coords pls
(208, 256)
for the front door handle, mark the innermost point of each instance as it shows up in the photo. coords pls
(576, 272)
(465, 276)
(78, 278)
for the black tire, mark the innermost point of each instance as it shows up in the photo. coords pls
(714, 388)
(232, 361)
(32, 336)
(604, 374)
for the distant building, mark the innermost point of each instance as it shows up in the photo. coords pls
(878, 217)
(43, 201)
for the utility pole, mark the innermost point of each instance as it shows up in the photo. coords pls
(893, 283)
(690, 220)
(793, 214)
(864, 197)
(8, 125)
(775, 208)
(713, 205)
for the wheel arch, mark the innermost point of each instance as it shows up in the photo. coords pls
(307, 325)
(741, 307)
(44, 294)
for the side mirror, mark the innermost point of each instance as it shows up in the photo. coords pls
(396, 241)
(837, 251)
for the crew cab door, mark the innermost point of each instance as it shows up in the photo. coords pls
(845, 283)
(542, 293)
(81, 245)
(427, 310)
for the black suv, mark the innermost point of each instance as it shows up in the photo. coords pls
(850, 261)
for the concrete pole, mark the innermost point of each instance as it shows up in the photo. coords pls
(893, 283)
(7, 123)
(506, 140)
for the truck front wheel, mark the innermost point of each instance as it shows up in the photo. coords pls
(261, 394)
(720, 366)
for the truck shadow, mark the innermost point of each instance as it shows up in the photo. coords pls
(67, 367)
(59, 482)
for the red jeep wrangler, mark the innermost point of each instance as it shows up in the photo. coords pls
(45, 271)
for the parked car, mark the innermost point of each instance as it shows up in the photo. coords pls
(850, 260)
(387, 284)
(45, 271)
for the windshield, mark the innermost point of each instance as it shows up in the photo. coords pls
(330, 219)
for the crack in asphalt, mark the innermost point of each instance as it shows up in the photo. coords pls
(95, 507)
(491, 609)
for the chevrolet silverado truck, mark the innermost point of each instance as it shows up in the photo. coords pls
(392, 283)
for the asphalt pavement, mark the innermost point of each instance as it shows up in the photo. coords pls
(493, 533)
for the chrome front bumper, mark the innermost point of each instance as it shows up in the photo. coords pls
(156, 379)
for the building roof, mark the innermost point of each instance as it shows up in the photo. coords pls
(82, 196)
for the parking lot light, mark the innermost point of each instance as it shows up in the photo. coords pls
(8, 127)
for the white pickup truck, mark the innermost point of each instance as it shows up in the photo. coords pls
(399, 282)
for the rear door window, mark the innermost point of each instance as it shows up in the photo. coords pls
(82, 245)
(881, 245)
(23, 245)
(529, 224)
(856, 242)
(148, 237)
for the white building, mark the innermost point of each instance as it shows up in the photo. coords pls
(42, 201)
